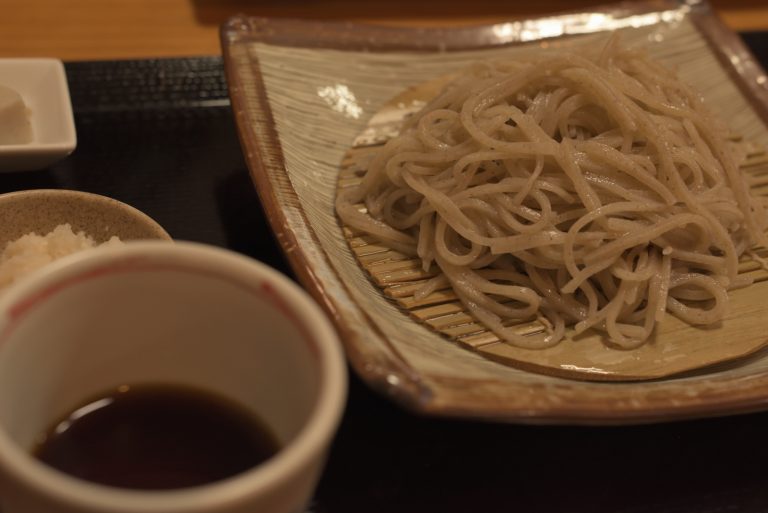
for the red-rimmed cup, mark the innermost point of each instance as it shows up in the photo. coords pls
(181, 313)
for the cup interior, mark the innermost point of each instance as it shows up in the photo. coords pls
(164, 317)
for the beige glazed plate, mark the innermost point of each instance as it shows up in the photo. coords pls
(304, 92)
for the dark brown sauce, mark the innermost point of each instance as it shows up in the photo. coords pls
(155, 437)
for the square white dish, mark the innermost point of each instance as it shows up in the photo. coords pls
(42, 84)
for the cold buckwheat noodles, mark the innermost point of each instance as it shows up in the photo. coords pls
(597, 192)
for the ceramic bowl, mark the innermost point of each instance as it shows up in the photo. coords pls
(101, 217)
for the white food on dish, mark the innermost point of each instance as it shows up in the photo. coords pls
(15, 125)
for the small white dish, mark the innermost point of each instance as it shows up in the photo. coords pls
(42, 84)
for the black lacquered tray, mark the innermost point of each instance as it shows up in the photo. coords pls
(159, 135)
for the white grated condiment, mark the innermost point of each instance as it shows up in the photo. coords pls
(30, 252)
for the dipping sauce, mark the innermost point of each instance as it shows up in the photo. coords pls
(155, 437)
(15, 127)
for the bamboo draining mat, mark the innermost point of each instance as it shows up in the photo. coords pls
(676, 348)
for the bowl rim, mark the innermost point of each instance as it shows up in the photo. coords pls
(101, 200)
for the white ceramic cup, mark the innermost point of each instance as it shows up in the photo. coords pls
(181, 313)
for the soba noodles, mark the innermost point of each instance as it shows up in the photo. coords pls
(594, 192)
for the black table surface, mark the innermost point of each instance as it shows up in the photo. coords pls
(159, 135)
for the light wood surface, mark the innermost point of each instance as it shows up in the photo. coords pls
(110, 29)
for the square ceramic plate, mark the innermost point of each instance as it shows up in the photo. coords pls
(42, 84)
(303, 91)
